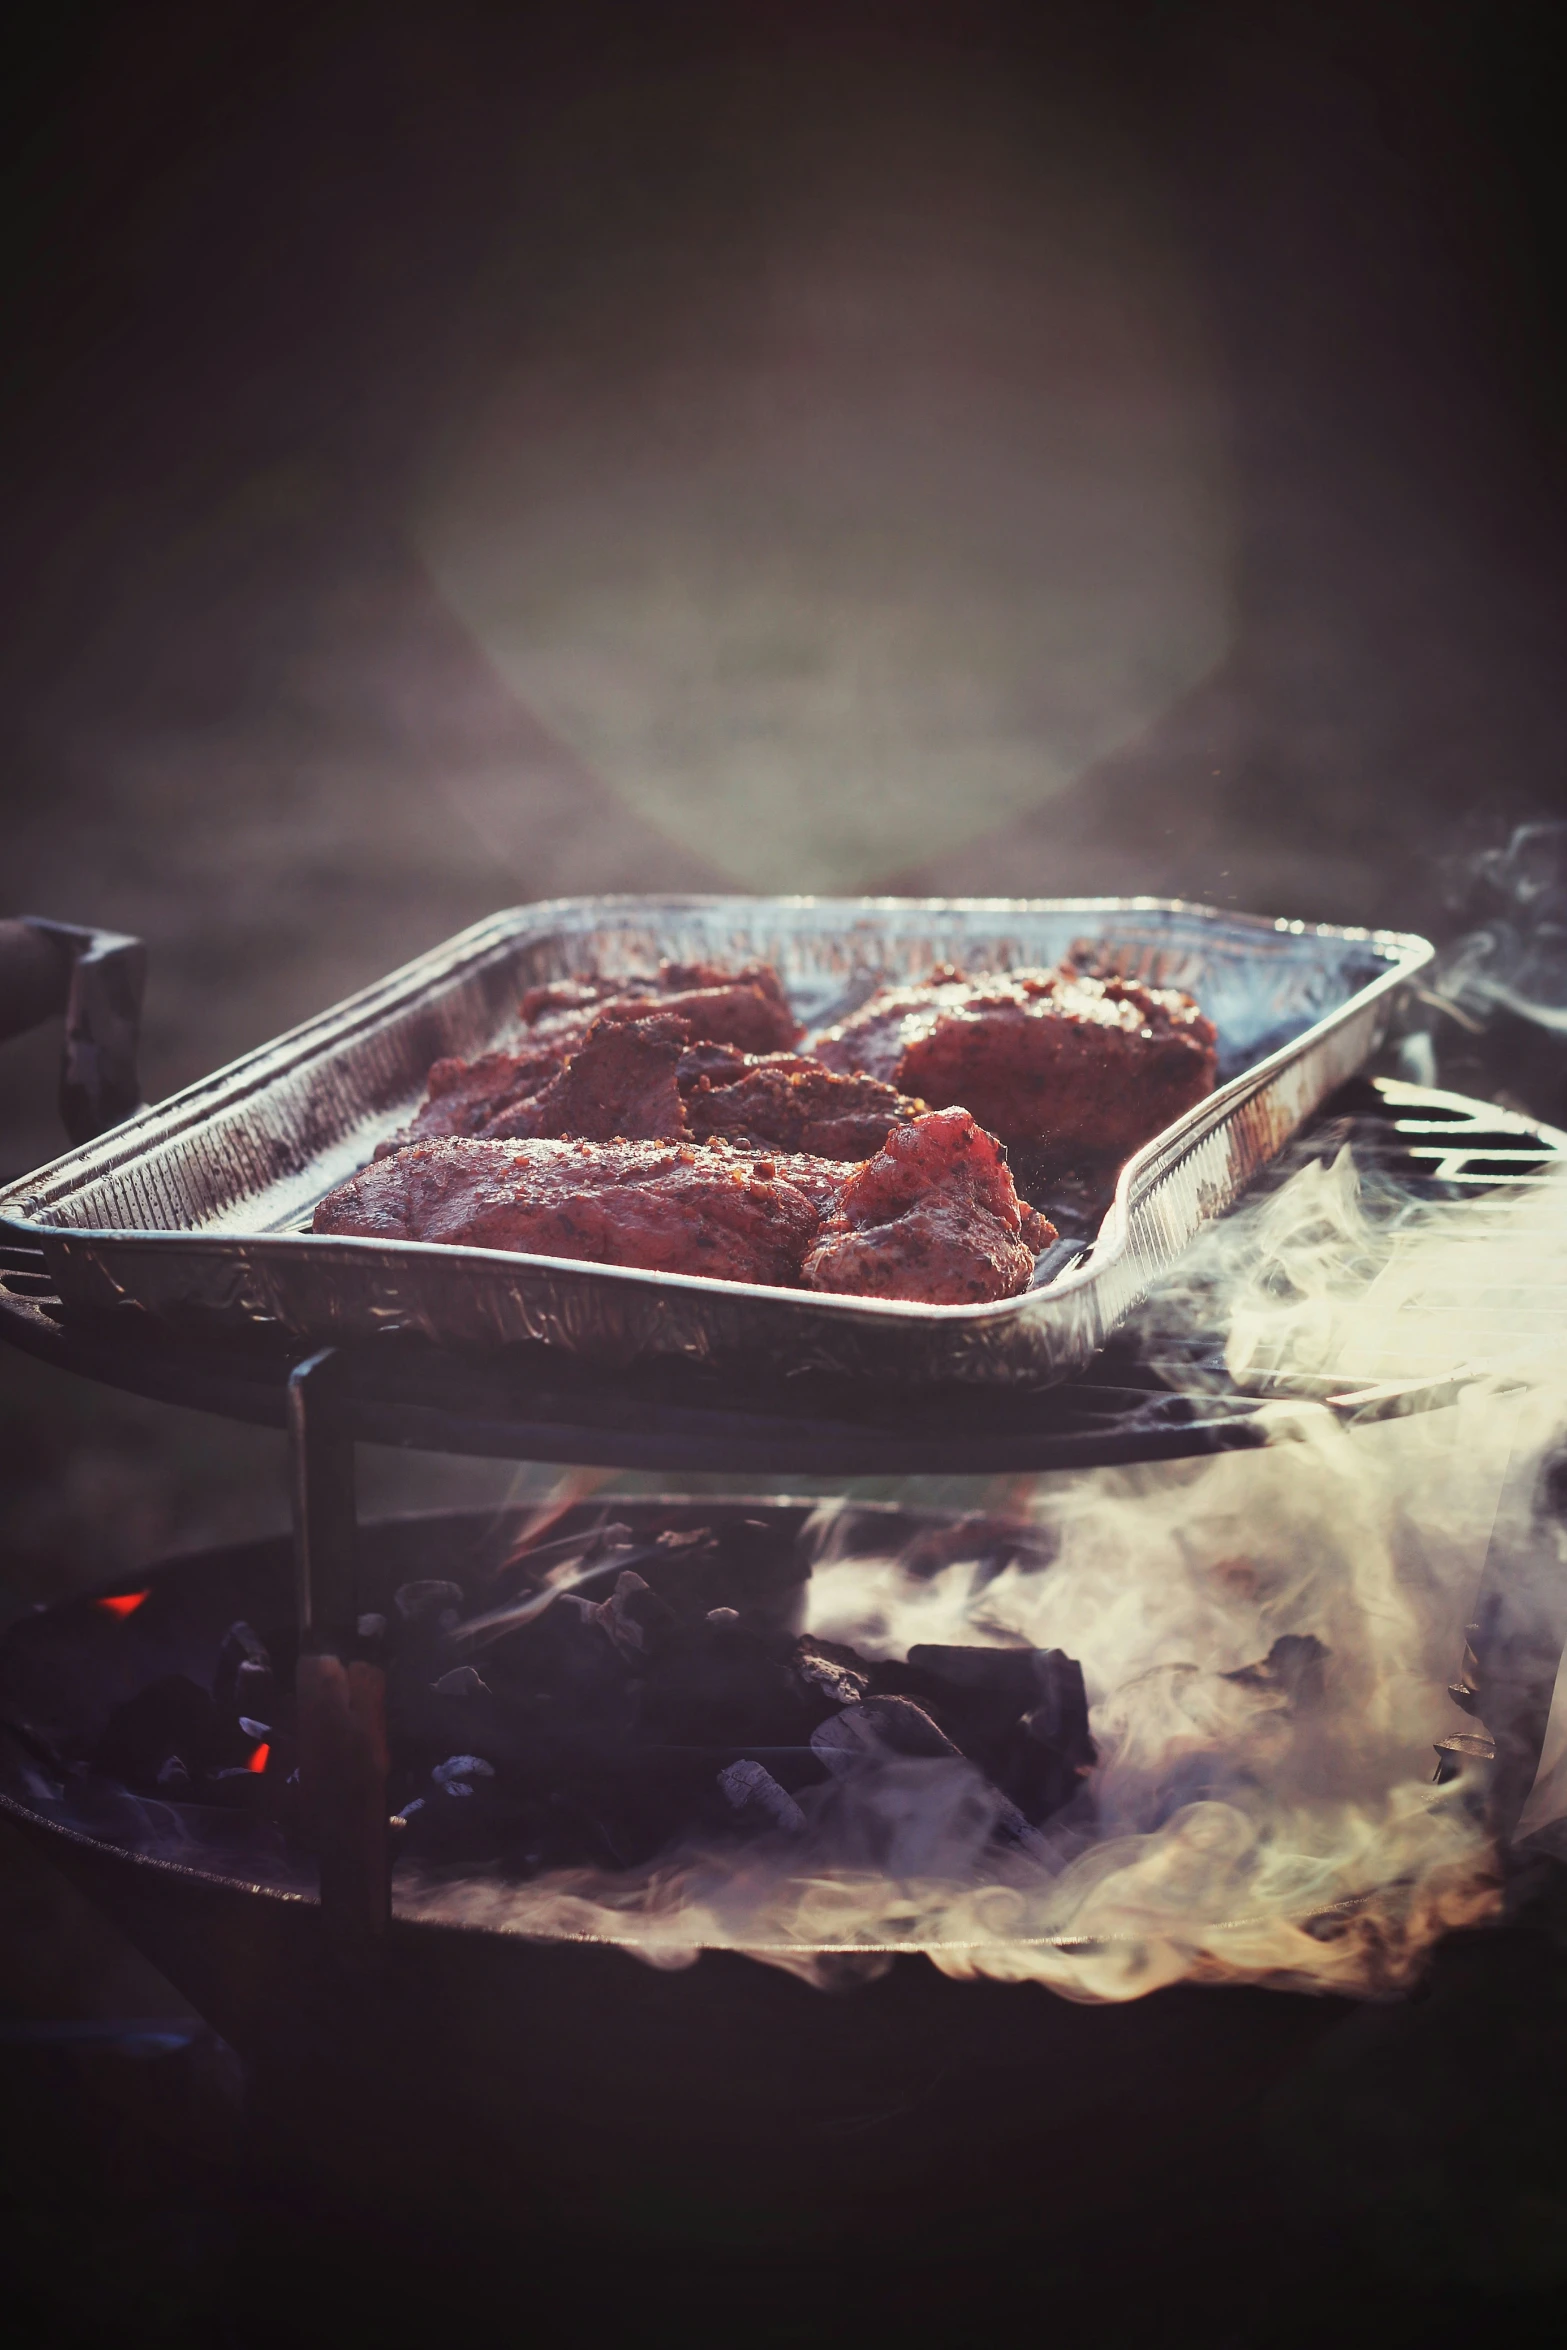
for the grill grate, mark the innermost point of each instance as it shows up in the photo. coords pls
(1448, 1300)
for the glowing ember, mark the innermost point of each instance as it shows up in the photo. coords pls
(258, 1761)
(122, 1603)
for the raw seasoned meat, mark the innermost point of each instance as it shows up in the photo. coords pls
(620, 1084)
(648, 1078)
(784, 1102)
(667, 1207)
(747, 1008)
(934, 1217)
(744, 1010)
(1084, 1065)
(470, 1097)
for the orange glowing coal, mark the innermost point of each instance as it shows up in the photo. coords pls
(122, 1603)
(258, 1761)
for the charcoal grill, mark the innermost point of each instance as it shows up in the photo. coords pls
(564, 2072)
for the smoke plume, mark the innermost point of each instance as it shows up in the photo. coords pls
(1266, 1639)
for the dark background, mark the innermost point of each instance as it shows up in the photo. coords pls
(255, 260)
(260, 261)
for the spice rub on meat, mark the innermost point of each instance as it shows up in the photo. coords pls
(745, 1010)
(1083, 1065)
(647, 1078)
(934, 1217)
(666, 1207)
(783, 1101)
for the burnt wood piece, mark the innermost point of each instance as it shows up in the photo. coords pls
(1020, 1713)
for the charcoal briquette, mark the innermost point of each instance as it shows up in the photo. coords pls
(836, 1674)
(413, 1600)
(1059, 1717)
(253, 1688)
(722, 1685)
(638, 1620)
(170, 1716)
(1293, 1668)
(243, 1680)
(461, 1681)
(1050, 1752)
(1007, 1677)
(877, 1726)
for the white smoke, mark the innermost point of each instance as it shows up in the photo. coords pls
(1238, 1824)
(1515, 959)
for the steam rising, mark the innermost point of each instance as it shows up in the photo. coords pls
(1266, 1639)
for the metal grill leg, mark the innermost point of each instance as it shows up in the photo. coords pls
(341, 1697)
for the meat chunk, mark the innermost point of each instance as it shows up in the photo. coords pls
(651, 1076)
(745, 1011)
(1080, 1064)
(473, 1097)
(935, 1217)
(621, 1083)
(747, 1008)
(663, 1206)
(785, 1102)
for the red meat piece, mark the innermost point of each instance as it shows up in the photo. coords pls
(1084, 1065)
(784, 1102)
(934, 1217)
(664, 1206)
(745, 1010)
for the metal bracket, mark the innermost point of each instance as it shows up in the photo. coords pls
(340, 1694)
(97, 979)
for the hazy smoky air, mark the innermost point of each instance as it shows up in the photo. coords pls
(857, 480)
(1241, 1821)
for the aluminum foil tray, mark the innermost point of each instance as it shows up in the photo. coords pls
(197, 1210)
